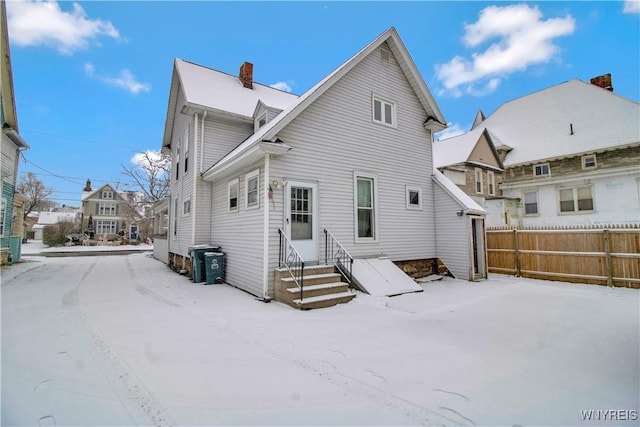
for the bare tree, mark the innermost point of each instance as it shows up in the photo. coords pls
(36, 192)
(152, 174)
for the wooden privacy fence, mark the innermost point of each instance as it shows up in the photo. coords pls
(603, 256)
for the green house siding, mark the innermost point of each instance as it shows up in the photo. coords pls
(7, 197)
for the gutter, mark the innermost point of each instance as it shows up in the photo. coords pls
(265, 248)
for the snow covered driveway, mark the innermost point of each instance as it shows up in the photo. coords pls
(122, 340)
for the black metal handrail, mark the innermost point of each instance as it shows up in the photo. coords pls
(336, 254)
(289, 258)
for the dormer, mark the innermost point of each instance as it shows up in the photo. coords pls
(263, 114)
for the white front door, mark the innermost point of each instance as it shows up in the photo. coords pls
(301, 218)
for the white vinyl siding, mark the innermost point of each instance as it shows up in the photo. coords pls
(453, 234)
(341, 122)
(240, 234)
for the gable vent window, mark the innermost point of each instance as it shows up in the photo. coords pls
(384, 111)
(541, 170)
(385, 56)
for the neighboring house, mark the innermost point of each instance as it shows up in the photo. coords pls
(109, 213)
(352, 155)
(52, 217)
(571, 155)
(160, 230)
(472, 163)
(11, 144)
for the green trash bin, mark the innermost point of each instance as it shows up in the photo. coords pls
(196, 253)
(214, 266)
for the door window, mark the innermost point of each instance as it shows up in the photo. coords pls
(301, 213)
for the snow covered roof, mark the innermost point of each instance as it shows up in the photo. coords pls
(567, 119)
(208, 89)
(391, 37)
(46, 218)
(465, 201)
(457, 150)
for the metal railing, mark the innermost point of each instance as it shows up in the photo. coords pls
(290, 259)
(336, 254)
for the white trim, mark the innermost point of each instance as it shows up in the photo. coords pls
(541, 165)
(374, 194)
(584, 159)
(249, 176)
(264, 116)
(491, 183)
(477, 173)
(524, 203)
(103, 211)
(265, 237)
(575, 200)
(231, 183)
(375, 97)
(106, 194)
(409, 189)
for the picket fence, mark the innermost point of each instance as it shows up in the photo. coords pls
(592, 254)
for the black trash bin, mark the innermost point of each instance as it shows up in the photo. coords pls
(197, 261)
(214, 267)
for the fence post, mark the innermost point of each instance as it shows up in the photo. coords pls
(516, 248)
(607, 254)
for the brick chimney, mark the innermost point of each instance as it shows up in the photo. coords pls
(246, 75)
(604, 81)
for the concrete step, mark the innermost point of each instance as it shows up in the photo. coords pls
(320, 289)
(323, 300)
(312, 279)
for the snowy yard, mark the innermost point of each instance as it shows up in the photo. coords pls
(122, 340)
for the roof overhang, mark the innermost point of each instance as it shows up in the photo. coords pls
(15, 137)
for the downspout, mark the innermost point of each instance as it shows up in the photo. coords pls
(265, 256)
(194, 198)
(204, 116)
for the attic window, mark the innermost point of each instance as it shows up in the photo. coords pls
(261, 120)
(541, 170)
(589, 162)
(384, 111)
(107, 195)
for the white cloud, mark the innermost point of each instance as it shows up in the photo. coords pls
(143, 158)
(523, 39)
(44, 23)
(450, 132)
(125, 80)
(631, 6)
(281, 86)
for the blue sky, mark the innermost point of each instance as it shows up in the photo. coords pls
(92, 79)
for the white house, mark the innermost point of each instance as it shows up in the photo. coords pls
(571, 156)
(352, 155)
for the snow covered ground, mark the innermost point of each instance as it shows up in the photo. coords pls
(122, 340)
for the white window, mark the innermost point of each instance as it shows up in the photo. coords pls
(186, 149)
(233, 195)
(107, 208)
(531, 203)
(106, 226)
(413, 197)
(252, 186)
(384, 111)
(491, 183)
(107, 195)
(261, 120)
(3, 211)
(177, 161)
(186, 207)
(479, 184)
(541, 170)
(576, 199)
(589, 162)
(365, 190)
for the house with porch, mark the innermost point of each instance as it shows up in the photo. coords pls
(571, 156)
(11, 143)
(107, 213)
(341, 175)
